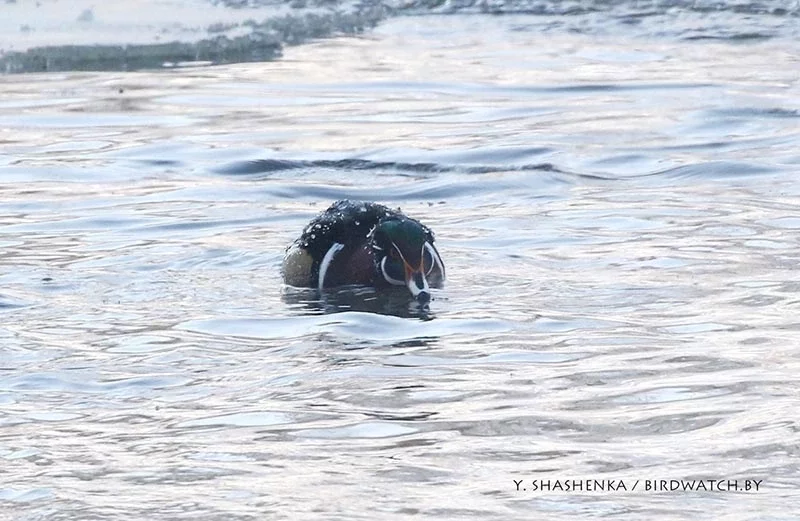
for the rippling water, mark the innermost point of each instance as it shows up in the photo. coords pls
(619, 218)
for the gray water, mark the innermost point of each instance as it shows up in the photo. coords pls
(618, 216)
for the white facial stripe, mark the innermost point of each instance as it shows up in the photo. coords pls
(436, 259)
(427, 246)
(388, 277)
(326, 262)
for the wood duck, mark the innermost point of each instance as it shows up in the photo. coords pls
(364, 243)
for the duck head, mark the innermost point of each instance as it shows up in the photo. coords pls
(406, 256)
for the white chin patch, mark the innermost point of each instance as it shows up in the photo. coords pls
(415, 288)
(388, 277)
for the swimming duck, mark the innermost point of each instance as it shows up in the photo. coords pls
(365, 243)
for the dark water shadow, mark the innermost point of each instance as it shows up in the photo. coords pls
(135, 57)
(395, 302)
(10, 303)
(254, 167)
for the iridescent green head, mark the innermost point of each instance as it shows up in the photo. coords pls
(406, 256)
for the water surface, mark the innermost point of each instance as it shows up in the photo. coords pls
(618, 216)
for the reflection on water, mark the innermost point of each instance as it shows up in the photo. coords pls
(392, 301)
(619, 223)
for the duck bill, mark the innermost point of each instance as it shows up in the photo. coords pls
(418, 284)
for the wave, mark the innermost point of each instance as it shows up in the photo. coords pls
(268, 166)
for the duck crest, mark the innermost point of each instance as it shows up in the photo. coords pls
(407, 235)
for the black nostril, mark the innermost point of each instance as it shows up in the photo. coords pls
(424, 296)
